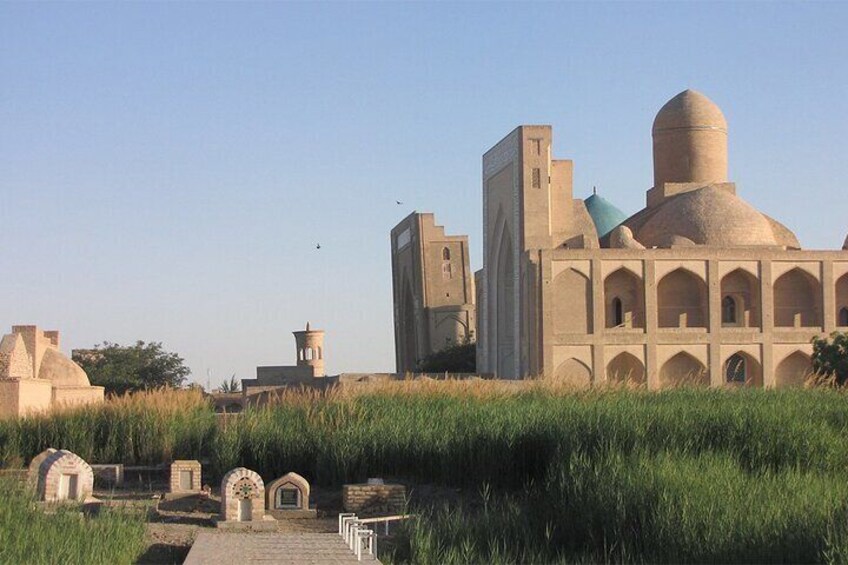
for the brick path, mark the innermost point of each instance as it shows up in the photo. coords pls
(271, 548)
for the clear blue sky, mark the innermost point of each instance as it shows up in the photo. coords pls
(167, 169)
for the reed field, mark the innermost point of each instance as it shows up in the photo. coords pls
(29, 535)
(554, 475)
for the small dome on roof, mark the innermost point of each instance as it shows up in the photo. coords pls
(604, 214)
(711, 216)
(690, 109)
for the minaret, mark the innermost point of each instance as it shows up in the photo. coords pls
(310, 349)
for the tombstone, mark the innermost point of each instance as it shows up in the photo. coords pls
(35, 465)
(288, 497)
(242, 499)
(185, 477)
(374, 499)
(64, 476)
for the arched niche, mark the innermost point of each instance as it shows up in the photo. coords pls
(797, 300)
(842, 301)
(684, 370)
(682, 300)
(625, 368)
(740, 296)
(504, 303)
(793, 371)
(740, 369)
(624, 300)
(289, 492)
(242, 496)
(572, 303)
(573, 373)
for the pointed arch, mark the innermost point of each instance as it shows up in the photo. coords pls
(625, 368)
(682, 300)
(572, 303)
(842, 301)
(793, 371)
(683, 370)
(574, 373)
(740, 292)
(503, 308)
(741, 369)
(624, 299)
(797, 300)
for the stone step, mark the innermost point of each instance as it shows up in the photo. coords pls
(271, 548)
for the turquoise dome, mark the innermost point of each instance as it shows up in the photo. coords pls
(605, 215)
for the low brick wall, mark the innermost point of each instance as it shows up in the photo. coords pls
(374, 500)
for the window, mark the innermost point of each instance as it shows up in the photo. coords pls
(537, 178)
(618, 311)
(537, 145)
(445, 254)
(843, 317)
(735, 369)
(728, 310)
(447, 271)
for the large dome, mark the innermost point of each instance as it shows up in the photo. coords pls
(712, 216)
(690, 109)
(61, 371)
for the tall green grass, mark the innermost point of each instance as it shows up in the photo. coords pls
(28, 535)
(682, 475)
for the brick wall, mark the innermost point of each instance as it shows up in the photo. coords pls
(365, 499)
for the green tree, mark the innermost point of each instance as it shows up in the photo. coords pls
(830, 356)
(457, 358)
(127, 368)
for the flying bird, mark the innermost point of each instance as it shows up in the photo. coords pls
(318, 246)
(398, 202)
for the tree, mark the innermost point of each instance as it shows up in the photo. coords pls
(830, 356)
(457, 358)
(233, 385)
(121, 369)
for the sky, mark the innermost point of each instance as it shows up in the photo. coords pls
(167, 169)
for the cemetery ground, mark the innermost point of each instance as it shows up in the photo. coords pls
(498, 473)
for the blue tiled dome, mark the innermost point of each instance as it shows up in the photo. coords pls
(605, 215)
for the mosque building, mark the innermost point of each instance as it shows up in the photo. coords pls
(698, 287)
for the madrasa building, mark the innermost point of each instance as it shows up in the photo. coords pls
(699, 287)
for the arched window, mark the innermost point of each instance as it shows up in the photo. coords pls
(309, 354)
(728, 310)
(447, 271)
(618, 311)
(843, 317)
(735, 369)
(446, 254)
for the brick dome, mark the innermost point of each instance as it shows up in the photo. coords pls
(689, 109)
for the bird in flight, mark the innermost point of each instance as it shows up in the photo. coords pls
(318, 246)
(398, 202)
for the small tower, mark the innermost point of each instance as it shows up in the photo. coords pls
(310, 349)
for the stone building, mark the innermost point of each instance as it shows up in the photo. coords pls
(433, 289)
(698, 287)
(35, 375)
(309, 368)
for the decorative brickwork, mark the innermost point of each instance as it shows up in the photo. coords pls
(64, 476)
(242, 496)
(373, 500)
(185, 476)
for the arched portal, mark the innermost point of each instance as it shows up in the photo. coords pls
(740, 300)
(797, 300)
(684, 370)
(682, 300)
(842, 301)
(793, 371)
(505, 306)
(624, 300)
(572, 305)
(574, 373)
(625, 368)
(741, 369)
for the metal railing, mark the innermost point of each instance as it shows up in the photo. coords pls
(359, 536)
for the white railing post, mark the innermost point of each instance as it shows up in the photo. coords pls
(342, 516)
